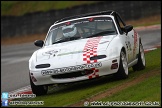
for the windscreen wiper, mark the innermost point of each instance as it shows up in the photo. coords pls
(101, 33)
(59, 41)
(67, 39)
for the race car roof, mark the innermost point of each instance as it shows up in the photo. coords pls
(109, 12)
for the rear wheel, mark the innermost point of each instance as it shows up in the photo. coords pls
(141, 60)
(38, 90)
(122, 72)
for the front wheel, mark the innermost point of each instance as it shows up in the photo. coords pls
(141, 60)
(38, 90)
(122, 72)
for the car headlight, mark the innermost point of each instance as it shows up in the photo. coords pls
(42, 66)
(98, 57)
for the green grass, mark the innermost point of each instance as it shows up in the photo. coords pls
(149, 89)
(18, 8)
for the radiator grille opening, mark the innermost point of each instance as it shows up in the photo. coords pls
(73, 74)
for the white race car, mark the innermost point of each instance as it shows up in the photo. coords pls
(84, 47)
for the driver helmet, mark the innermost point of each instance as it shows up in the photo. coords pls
(69, 31)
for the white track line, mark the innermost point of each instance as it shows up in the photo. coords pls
(150, 49)
(23, 89)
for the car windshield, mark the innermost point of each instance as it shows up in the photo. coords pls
(79, 29)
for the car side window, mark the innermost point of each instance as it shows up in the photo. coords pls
(120, 23)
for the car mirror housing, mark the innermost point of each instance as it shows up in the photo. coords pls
(128, 28)
(39, 43)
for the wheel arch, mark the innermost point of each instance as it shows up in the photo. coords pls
(123, 49)
(115, 47)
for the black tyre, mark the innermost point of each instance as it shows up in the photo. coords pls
(122, 72)
(38, 90)
(141, 60)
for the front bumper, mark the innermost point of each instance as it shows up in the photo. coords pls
(104, 69)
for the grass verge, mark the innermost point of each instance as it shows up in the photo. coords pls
(142, 88)
(146, 90)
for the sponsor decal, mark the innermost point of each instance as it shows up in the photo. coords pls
(67, 23)
(90, 50)
(75, 52)
(71, 68)
(90, 19)
(50, 52)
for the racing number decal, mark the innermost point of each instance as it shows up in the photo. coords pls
(128, 44)
(135, 43)
(90, 50)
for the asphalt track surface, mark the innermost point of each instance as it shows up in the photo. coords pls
(14, 59)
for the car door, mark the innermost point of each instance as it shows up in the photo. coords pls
(129, 38)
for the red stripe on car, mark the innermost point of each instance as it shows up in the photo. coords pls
(135, 43)
(90, 50)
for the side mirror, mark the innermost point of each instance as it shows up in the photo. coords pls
(127, 28)
(39, 43)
